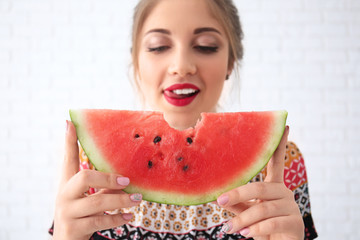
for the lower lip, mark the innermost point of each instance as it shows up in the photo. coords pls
(179, 102)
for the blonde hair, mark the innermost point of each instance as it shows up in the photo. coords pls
(223, 10)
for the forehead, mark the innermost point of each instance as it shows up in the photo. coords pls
(177, 15)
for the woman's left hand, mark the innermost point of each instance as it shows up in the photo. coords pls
(265, 210)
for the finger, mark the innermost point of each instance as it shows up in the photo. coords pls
(249, 192)
(260, 212)
(99, 203)
(292, 225)
(101, 222)
(275, 167)
(241, 207)
(86, 179)
(238, 207)
(71, 159)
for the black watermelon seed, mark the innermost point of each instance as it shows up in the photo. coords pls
(157, 139)
(137, 135)
(150, 164)
(189, 140)
(186, 167)
(180, 159)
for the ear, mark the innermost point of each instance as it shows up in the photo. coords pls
(229, 71)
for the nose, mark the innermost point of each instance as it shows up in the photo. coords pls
(182, 63)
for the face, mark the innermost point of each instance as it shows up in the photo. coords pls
(183, 60)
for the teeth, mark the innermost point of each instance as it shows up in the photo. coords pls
(184, 91)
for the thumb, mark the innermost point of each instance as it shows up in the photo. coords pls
(71, 159)
(275, 167)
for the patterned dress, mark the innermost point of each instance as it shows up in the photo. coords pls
(162, 221)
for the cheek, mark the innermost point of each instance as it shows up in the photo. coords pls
(214, 74)
(149, 79)
(215, 71)
(144, 68)
(150, 69)
(147, 72)
(144, 78)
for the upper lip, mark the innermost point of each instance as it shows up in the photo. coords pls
(181, 86)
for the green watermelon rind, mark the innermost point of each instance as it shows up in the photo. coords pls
(273, 144)
(166, 197)
(95, 156)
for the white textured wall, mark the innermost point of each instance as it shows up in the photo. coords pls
(301, 55)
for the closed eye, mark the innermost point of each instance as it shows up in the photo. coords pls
(206, 49)
(158, 49)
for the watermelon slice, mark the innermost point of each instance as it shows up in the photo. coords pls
(189, 167)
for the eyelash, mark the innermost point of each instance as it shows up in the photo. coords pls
(202, 49)
(206, 49)
(158, 49)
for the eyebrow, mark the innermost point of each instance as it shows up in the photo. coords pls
(158, 30)
(206, 29)
(196, 31)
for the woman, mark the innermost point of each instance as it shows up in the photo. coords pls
(183, 52)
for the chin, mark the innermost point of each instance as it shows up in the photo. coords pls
(181, 119)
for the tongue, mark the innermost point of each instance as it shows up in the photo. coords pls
(177, 96)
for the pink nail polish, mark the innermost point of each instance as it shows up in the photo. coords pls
(245, 231)
(223, 199)
(127, 216)
(227, 227)
(123, 181)
(136, 197)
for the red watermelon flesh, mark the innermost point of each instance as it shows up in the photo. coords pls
(189, 167)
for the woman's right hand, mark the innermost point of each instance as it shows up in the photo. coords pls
(78, 216)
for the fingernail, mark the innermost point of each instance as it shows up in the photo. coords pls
(127, 216)
(223, 199)
(136, 197)
(227, 227)
(123, 181)
(245, 231)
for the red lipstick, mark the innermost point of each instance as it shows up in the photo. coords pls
(181, 94)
